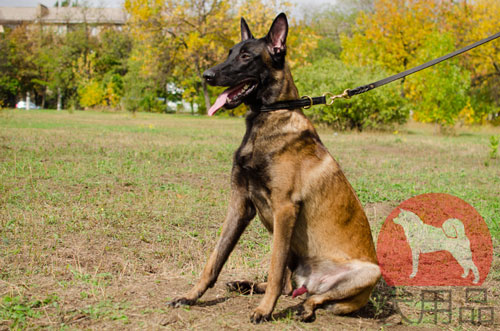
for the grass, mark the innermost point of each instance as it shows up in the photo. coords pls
(108, 215)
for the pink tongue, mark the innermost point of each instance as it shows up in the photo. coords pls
(221, 101)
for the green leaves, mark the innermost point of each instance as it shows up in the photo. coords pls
(440, 92)
(376, 109)
(398, 35)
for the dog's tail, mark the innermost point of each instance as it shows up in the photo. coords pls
(454, 228)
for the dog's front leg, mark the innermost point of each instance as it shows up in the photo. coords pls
(240, 213)
(283, 224)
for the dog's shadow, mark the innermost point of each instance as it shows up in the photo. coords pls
(288, 312)
(378, 308)
(212, 302)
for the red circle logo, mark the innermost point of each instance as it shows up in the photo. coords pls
(434, 239)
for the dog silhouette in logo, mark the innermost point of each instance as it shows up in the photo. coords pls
(424, 238)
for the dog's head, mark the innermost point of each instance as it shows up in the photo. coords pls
(250, 65)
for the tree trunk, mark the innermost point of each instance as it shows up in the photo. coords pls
(58, 98)
(204, 86)
(205, 94)
(42, 106)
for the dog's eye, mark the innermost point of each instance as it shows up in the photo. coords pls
(244, 56)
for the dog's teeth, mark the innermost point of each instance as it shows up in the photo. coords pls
(245, 87)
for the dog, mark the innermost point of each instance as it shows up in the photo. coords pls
(424, 238)
(283, 172)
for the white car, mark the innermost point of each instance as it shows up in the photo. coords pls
(22, 105)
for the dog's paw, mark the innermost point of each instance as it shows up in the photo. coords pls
(305, 313)
(259, 316)
(178, 302)
(306, 316)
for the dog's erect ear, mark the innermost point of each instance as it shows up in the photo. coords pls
(245, 30)
(276, 37)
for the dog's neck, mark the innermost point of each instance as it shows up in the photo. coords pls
(280, 87)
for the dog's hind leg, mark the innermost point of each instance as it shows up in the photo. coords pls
(240, 213)
(347, 286)
(247, 287)
(337, 307)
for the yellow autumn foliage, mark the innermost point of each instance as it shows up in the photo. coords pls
(396, 34)
(91, 94)
(187, 37)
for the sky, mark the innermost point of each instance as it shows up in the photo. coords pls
(50, 3)
(301, 6)
(117, 3)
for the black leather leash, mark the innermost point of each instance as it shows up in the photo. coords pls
(307, 101)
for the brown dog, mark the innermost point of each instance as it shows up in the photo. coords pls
(283, 172)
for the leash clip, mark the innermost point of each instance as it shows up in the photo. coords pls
(332, 97)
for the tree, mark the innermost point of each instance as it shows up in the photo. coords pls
(22, 59)
(100, 72)
(398, 32)
(440, 92)
(391, 35)
(192, 35)
(330, 22)
(9, 84)
(470, 22)
(153, 55)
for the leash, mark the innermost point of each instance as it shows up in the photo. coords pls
(328, 98)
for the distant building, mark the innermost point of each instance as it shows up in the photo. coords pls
(62, 19)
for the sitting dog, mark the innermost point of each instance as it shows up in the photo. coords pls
(283, 172)
(424, 238)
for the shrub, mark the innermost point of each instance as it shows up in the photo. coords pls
(376, 109)
(91, 94)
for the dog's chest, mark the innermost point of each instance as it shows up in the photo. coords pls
(253, 158)
(253, 165)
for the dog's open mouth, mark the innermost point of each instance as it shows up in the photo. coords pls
(232, 96)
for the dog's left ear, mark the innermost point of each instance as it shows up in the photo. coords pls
(276, 37)
(245, 30)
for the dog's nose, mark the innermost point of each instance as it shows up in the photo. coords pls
(209, 75)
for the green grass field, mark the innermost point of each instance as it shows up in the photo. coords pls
(106, 216)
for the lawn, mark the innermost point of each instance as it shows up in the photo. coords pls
(106, 216)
